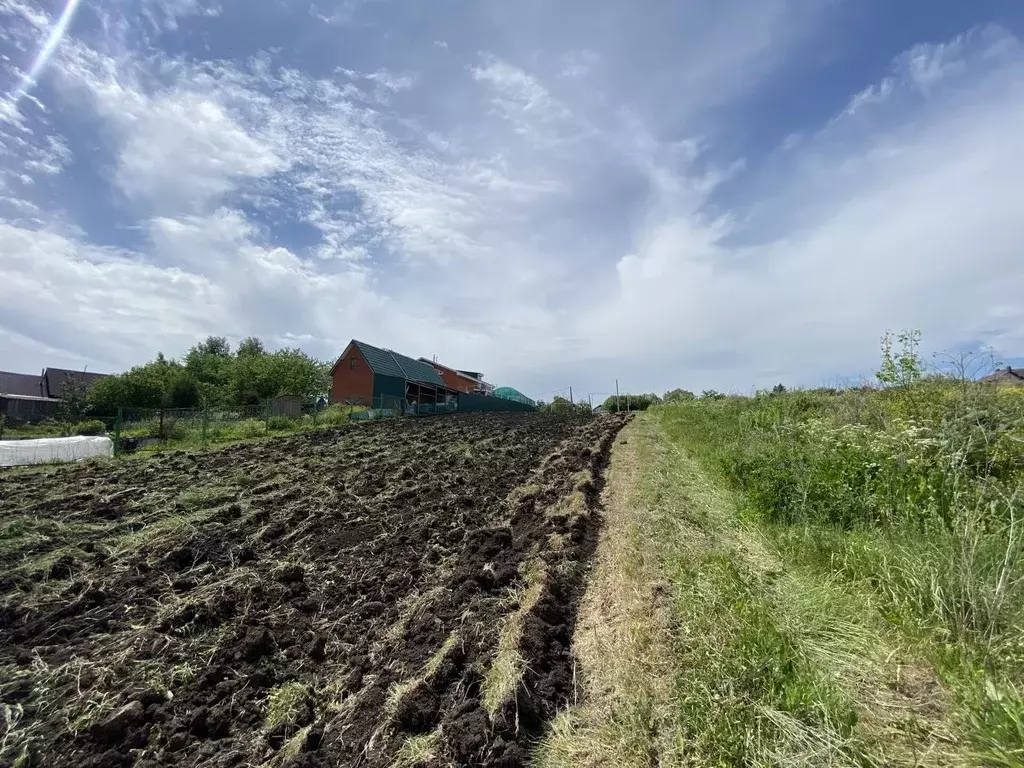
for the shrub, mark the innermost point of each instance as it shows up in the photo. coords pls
(91, 427)
(336, 415)
(678, 396)
(248, 428)
(630, 402)
(280, 424)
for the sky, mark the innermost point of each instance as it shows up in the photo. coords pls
(669, 194)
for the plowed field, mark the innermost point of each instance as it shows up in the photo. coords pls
(400, 593)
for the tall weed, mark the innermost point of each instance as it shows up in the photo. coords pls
(913, 494)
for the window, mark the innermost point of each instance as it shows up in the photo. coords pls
(353, 363)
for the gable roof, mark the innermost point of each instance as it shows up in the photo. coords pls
(386, 362)
(434, 364)
(1006, 375)
(56, 380)
(23, 384)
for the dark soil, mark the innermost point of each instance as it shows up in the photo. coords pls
(315, 600)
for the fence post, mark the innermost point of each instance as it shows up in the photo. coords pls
(161, 423)
(206, 421)
(266, 415)
(117, 433)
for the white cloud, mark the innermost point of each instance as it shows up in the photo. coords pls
(95, 304)
(920, 231)
(579, 63)
(876, 93)
(561, 219)
(185, 149)
(520, 98)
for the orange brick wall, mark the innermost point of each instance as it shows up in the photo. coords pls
(352, 385)
(455, 381)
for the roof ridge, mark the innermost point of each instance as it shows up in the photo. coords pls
(394, 357)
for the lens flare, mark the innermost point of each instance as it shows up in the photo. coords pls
(52, 41)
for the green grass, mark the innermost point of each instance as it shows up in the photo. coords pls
(910, 501)
(713, 658)
(701, 642)
(289, 705)
(36, 431)
(188, 431)
(417, 750)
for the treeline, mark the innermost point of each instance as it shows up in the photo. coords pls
(621, 402)
(212, 374)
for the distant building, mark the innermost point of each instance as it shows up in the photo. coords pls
(286, 405)
(1007, 376)
(482, 387)
(59, 380)
(461, 381)
(22, 384)
(27, 397)
(383, 378)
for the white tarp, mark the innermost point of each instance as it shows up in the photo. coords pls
(14, 453)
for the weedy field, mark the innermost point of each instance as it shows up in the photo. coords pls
(404, 593)
(818, 578)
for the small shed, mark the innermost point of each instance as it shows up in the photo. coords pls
(286, 405)
(19, 409)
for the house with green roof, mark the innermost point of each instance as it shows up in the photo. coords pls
(382, 378)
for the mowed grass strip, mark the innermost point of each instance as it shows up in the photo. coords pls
(698, 645)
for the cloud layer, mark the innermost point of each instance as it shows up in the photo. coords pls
(564, 212)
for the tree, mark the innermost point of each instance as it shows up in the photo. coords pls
(180, 389)
(630, 402)
(159, 384)
(561, 405)
(250, 347)
(215, 345)
(901, 368)
(210, 364)
(212, 376)
(679, 396)
(257, 378)
(74, 403)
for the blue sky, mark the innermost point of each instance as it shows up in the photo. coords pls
(689, 194)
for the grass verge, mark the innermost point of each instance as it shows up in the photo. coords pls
(700, 644)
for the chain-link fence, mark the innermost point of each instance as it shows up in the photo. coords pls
(135, 429)
(139, 428)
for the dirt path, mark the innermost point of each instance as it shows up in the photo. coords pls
(698, 645)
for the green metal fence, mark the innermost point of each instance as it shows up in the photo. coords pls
(490, 403)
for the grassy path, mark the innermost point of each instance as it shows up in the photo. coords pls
(698, 644)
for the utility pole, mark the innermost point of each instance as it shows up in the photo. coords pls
(570, 396)
(616, 395)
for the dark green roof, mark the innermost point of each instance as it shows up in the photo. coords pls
(388, 363)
